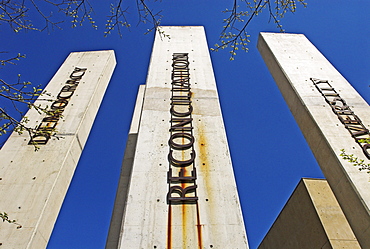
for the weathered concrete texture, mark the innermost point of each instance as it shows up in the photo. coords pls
(125, 176)
(33, 184)
(312, 218)
(292, 61)
(216, 220)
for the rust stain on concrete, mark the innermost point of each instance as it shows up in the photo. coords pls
(169, 228)
(199, 228)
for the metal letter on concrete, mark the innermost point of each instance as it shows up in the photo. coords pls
(33, 184)
(181, 191)
(331, 115)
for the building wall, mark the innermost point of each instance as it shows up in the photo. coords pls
(295, 65)
(33, 184)
(312, 218)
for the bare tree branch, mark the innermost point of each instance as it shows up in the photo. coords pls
(116, 19)
(234, 33)
(16, 13)
(17, 94)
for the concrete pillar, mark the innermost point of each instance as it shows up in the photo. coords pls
(33, 184)
(182, 192)
(120, 203)
(331, 115)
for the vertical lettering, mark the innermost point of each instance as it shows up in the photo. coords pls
(182, 188)
(344, 113)
(182, 194)
(48, 124)
(366, 150)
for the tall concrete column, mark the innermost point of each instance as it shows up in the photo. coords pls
(182, 192)
(332, 117)
(33, 184)
(120, 202)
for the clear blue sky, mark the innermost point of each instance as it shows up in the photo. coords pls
(268, 151)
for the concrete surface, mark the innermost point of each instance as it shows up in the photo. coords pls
(293, 61)
(215, 220)
(118, 214)
(33, 184)
(312, 218)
